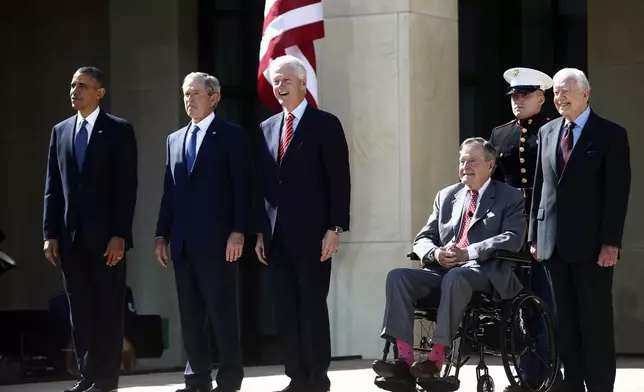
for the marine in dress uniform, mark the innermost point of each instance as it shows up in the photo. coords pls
(517, 146)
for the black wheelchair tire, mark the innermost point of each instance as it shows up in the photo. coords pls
(508, 354)
(485, 384)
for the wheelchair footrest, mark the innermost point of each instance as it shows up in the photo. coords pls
(395, 384)
(440, 384)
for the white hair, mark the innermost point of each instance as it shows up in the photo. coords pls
(211, 83)
(573, 73)
(296, 65)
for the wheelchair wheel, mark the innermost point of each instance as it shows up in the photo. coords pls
(485, 384)
(529, 352)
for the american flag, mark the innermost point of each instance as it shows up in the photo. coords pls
(290, 27)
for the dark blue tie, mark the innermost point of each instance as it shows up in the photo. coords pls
(191, 154)
(80, 144)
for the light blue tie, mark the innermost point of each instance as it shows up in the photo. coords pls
(80, 144)
(191, 154)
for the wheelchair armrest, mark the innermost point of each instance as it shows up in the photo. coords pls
(413, 256)
(515, 257)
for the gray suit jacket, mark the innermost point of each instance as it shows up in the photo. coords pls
(498, 224)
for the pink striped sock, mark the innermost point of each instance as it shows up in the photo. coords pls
(405, 351)
(437, 355)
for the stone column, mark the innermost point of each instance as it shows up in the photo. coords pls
(153, 45)
(616, 73)
(389, 71)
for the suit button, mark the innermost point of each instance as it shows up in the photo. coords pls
(523, 180)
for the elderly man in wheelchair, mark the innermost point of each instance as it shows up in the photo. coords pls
(468, 287)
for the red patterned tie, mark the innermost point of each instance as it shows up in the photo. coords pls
(288, 135)
(463, 242)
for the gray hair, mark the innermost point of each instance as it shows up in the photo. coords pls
(296, 65)
(573, 73)
(488, 148)
(211, 83)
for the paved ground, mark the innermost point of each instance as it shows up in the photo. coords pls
(346, 376)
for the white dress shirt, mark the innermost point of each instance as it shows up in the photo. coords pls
(472, 254)
(203, 127)
(91, 120)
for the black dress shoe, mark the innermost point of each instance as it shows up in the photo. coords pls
(80, 386)
(195, 388)
(397, 368)
(222, 389)
(424, 369)
(99, 389)
(294, 387)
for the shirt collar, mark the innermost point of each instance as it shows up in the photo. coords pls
(91, 119)
(582, 119)
(298, 112)
(205, 123)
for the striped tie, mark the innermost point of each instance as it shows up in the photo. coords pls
(288, 135)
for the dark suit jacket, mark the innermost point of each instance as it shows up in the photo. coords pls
(99, 200)
(312, 186)
(499, 224)
(201, 209)
(585, 207)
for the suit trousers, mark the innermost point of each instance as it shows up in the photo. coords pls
(301, 285)
(96, 293)
(208, 292)
(584, 309)
(405, 286)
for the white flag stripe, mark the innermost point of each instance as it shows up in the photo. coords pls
(311, 77)
(293, 19)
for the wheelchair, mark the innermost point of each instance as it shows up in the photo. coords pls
(501, 328)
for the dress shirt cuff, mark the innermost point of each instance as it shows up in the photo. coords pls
(472, 254)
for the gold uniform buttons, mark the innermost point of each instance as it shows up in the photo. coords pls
(523, 180)
(521, 149)
(522, 140)
(522, 160)
(524, 130)
(523, 170)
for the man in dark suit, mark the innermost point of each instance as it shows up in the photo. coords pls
(90, 196)
(579, 204)
(303, 198)
(517, 147)
(203, 216)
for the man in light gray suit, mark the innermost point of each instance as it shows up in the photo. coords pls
(470, 221)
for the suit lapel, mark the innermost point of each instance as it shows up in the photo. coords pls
(299, 132)
(67, 134)
(457, 211)
(582, 145)
(553, 142)
(207, 143)
(486, 203)
(272, 136)
(96, 138)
